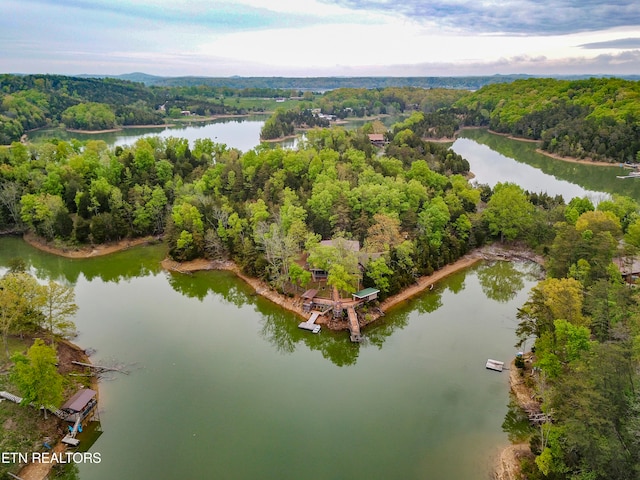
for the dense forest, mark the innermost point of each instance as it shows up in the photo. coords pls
(217, 202)
(595, 118)
(284, 122)
(322, 84)
(584, 321)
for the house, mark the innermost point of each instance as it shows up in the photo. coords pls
(352, 245)
(81, 404)
(318, 274)
(377, 139)
(629, 268)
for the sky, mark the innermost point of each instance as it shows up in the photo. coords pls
(306, 38)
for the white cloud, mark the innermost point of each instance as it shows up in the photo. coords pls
(284, 37)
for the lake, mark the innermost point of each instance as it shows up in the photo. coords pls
(224, 385)
(496, 158)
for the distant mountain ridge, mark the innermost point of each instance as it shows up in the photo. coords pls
(332, 83)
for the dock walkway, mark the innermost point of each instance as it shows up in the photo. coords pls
(354, 326)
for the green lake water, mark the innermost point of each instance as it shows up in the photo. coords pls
(495, 158)
(224, 385)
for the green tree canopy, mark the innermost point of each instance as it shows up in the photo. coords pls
(37, 377)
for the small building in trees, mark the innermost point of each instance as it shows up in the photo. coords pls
(629, 268)
(377, 139)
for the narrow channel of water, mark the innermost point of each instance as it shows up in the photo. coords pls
(224, 385)
(496, 158)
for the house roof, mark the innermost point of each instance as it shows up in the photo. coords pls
(352, 245)
(309, 294)
(79, 400)
(627, 267)
(376, 137)
(366, 292)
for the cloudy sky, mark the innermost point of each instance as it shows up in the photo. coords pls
(320, 37)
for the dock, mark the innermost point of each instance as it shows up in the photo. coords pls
(354, 326)
(317, 306)
(311, 323)
(496, 365)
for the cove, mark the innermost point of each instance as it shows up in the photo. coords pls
(495, 158)
(224, 385)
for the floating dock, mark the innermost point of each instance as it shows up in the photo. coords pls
(496, 365)
(311, 323)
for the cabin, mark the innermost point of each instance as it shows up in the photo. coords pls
(377, 139)
(80, 405)
(318, 274)
(366, 295)
(629, 268)
(307, 299)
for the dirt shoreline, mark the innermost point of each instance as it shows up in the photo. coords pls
(67, 352)
(86, 251)
(508, 463)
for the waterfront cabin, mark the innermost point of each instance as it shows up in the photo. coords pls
(366, 295)
(307, 299)
(80, 405)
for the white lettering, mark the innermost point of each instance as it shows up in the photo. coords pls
(14, 457)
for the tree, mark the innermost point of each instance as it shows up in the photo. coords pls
(37, 377)
(379, 272)
(383, 235)
(10, 193)
(20, 302)
(508, 212)
(58, 307)
(432, 221)
(10, 310)
(551, 299)
(42, 213)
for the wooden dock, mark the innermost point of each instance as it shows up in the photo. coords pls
(354, 326)
(311, 323)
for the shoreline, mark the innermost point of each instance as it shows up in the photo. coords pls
(293, 304)
(587, 161)
(41, 471)
(508, 461)
(88, 251)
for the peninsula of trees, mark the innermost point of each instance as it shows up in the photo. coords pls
(411, 209)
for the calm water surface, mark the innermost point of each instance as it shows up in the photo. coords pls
(224, 385)
(495, 158)
(239, 132)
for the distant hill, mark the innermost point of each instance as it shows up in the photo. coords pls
(332, 83)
